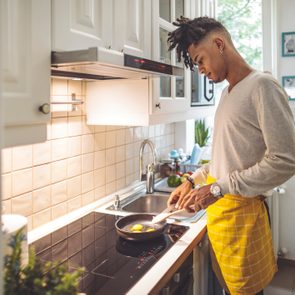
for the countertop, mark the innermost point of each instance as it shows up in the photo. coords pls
(151, 282)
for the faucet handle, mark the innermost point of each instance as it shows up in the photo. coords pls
(117, 202)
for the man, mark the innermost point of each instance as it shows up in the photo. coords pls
(253, 151)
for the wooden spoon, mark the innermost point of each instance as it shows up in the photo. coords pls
(164, 215)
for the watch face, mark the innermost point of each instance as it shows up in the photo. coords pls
(215, 190)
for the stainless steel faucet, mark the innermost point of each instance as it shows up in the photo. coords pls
(150, 169)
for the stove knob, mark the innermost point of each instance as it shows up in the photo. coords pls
(165, 291)
(176, 277)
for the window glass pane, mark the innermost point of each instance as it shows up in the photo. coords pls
(165, 55)
(243, 19)
(165, 10)
(179, 86)
(179, 8)
(165, 87)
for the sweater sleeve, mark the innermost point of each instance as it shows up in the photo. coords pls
(276, 122)
(200, 175)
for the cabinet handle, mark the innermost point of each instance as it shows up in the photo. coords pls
(176, 277)
(44, 108)
(158, 105)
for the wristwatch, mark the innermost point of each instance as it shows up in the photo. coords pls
(215, 190)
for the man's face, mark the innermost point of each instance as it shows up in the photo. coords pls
(206, 55)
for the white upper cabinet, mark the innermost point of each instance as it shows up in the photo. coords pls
(25, 58)
(80, 24)
(115, 26)
(170, 94)
(133, 27)
(154, 100)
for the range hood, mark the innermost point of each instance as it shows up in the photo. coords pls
(98, 64)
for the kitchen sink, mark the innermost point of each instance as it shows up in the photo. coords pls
(143, 203)
(155, 203)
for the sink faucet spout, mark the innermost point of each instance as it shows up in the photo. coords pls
(150, 169)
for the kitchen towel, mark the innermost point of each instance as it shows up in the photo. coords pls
(11, 223)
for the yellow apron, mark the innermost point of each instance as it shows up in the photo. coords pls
(240, 237)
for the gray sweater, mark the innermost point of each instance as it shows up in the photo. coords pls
(254, 138)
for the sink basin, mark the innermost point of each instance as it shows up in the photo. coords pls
(155, 203)
(143, 203)
(147, 203)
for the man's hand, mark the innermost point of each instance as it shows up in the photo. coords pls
(199, 199)
(179, 193)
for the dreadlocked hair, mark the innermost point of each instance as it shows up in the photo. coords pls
(191, 32)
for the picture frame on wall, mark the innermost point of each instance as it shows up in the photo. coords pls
(289, 86)
(288, 44)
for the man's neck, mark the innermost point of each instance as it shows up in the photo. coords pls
(238, 73)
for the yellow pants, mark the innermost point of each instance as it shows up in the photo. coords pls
(239, 232)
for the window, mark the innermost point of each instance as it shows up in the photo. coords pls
(243, 19)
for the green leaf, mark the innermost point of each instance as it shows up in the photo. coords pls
(201, 133)
(36, 278)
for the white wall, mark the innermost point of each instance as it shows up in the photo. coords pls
(286, 67)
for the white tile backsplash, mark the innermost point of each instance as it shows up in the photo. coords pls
(87, 182)
(6, 186)
(59, 149)
(42, 153)
(120, 153)
(74, 126)
(59, 128)
(59, 170)
(22, 204)
(87, 162)
(22, 157)
(22, 181)
(100, 141)
(74, 146)
(120, 137)
(110, 156)
(87, 143)
(74, 186)
(6, 160)
(77, 165)
(111, 139)
(59, 192)
(99, 177)
(41, 176)
(74, 167)
(41, 199)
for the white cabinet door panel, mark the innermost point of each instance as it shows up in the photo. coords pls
(133, 27)
(25, 42)
(80, 24)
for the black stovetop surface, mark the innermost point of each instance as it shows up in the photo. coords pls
(112, 265)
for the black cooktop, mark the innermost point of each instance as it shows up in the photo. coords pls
(112, 265)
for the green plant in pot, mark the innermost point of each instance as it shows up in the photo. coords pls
(201, 138)
(36, 278)
(201, 133)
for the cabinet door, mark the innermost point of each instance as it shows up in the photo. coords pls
(203, 7)
(25, 46)
(80, 24)
(170, 94)
(132, 33)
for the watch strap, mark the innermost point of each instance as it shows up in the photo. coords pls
(191, 180)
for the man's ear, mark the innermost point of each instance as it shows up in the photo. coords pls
(219, 43)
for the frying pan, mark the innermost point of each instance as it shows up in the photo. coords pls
(124, 225)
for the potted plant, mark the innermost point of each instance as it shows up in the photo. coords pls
(201, 138)
(36, 278)
(201, 133)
